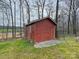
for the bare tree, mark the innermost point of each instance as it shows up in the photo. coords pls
(42, 4)
(57, 7)
(3, 26)
(69, 15)
(38, 6)
(8, 21)
(23, 18)
(74, 17)
(49, 8)
(12, 18)
(20, 18)
(28, 10)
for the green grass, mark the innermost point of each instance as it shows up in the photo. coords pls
(9, 30)
(22, 49)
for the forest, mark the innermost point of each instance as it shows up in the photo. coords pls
(18, 13)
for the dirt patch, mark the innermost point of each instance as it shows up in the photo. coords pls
(3, 35)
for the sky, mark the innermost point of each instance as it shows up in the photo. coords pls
(33, 13)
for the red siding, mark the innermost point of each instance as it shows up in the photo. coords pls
(41, 31)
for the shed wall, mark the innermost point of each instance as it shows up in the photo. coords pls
(41, 31)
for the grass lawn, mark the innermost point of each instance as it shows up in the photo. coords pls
(21, 49)
(9, 30)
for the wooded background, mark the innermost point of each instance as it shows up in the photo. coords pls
(15, 14)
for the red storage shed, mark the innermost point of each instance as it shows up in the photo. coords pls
(40, 30)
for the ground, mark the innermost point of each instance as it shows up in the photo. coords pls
(3, 32)
(22, 49)
(9, 30)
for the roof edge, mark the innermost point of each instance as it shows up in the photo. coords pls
(37, 20)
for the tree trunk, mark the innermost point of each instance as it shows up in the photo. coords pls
(7, 24)
(74, 19)
(43, 8)
(12, 18)
(38, 10)
(28, 11)
(23, 20)
(57, 7)
(3, 27)
(20, 18)
(69, 16)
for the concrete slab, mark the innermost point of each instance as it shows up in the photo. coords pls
(47, 43)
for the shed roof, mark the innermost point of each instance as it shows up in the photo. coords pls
(38, 20)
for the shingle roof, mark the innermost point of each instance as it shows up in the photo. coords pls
(37, 20)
